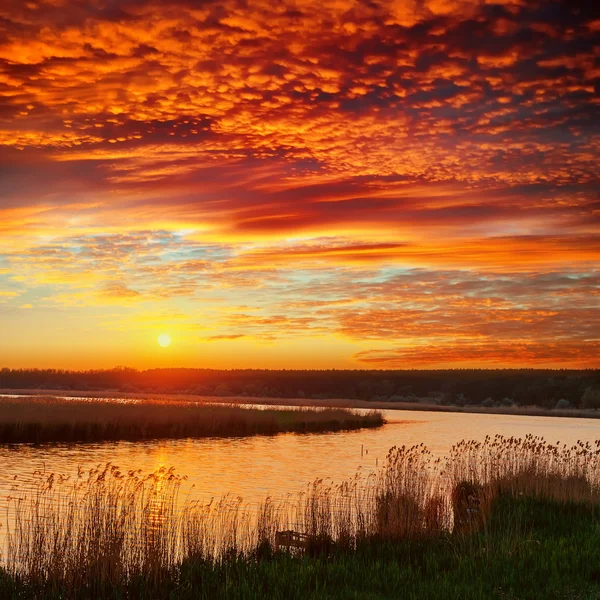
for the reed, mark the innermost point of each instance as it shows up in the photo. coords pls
(48, 419)
(106, 531)
(426, 405)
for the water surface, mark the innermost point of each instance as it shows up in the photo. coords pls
(254, 467)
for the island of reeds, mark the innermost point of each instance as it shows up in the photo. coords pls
(47, 419)
(505, 518)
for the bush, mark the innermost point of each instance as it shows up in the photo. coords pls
(397, 398)
(460, 399)
(467, 506)
(562, 404)
(222, 390)
(129, 389)
(591, 398)
(488, 403)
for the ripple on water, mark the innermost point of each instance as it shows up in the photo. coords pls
(254, 467)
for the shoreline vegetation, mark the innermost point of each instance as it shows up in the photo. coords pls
(423, 405)
(488, 388)
(44, 419)
(505, 518)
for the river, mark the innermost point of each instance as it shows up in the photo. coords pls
(254, 467)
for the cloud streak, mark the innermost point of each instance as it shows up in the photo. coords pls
(198, 157)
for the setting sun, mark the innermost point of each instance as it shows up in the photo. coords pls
(237, 239)
(164, 340)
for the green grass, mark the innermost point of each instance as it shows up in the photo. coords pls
(506, 518)
(530, 549)
(554, 552)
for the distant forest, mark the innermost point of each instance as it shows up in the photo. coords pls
(545, 388)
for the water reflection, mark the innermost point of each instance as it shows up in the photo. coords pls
(255, 467)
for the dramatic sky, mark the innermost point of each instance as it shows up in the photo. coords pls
(308, 183)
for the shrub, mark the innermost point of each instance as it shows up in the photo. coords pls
(591, 398)
(128, 388)
(114, 529)
(397, 398)
(562, 404)
(460, 399)
(468, 506)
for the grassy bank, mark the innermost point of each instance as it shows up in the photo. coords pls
(507, 518)
(425, 405)
(535, 563)
(39, 419)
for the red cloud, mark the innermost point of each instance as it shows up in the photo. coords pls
(296, 156)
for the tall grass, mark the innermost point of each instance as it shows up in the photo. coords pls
(107, 529)
(48, 419)
(425, 404)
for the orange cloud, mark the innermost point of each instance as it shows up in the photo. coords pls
(319, 163)
(491, 354)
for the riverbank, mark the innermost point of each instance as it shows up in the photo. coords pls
(41, 419)
(531, 411)
(525, 527)
(534, 563)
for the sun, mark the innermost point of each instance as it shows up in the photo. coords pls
(164, 340)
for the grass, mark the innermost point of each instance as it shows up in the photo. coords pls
(49, 419)
(427, 405)
(505, 518)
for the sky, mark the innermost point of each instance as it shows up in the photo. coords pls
(300, 184)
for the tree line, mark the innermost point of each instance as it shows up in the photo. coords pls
(521, 387)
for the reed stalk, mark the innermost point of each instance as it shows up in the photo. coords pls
(45, 419)
(107, 527)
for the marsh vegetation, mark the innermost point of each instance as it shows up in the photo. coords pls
(505, 518)
(499, 389)
(40, 419)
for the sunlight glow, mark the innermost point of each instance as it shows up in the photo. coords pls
(164, 340)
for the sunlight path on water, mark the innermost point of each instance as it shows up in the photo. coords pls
(254, 467)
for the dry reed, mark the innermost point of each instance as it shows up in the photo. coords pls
(425, 404)
(107, 527)
(48, 419)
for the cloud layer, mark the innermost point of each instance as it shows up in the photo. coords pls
(416, 182)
